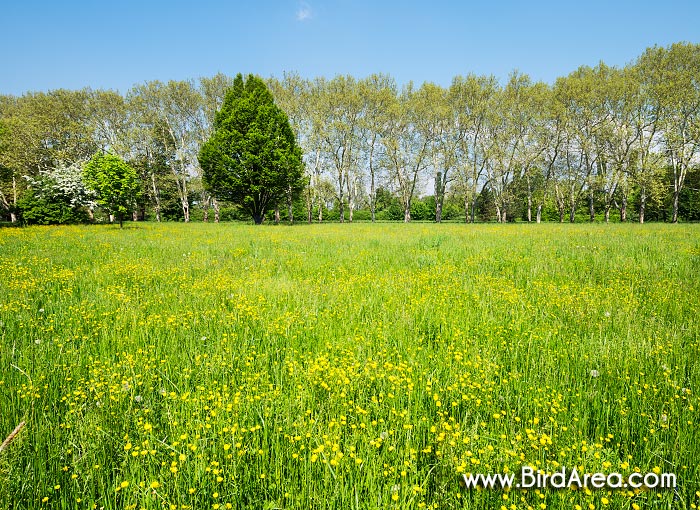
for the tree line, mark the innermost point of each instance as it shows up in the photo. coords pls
(603, 140)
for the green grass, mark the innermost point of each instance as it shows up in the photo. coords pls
(345, 366)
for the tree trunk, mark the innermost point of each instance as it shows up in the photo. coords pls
(310, 210)
(320, 211)
(372, 193)
(623, 209)
(539, 213)
(529, 200)
(341, 206)
(561, 204)
(498, 213)
(309, 204)
(258, 218)
(407, 213)
(277, 214)
(13, 215)
(215, 205)
(607, 214)
(676, 188)
(440, 186)
(438, 197)
(642, 203)
(466, 207)
(185, 202)
(572, 212)
(372, 190)
(591, 208)
(351, 194)
(156, 196)
(676, 194)
(134, 215)
(111, 218)
(504, 217)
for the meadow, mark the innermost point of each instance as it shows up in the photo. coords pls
(346, 366)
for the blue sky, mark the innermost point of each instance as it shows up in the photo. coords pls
(115, 45)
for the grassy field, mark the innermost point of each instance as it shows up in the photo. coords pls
(346, 366)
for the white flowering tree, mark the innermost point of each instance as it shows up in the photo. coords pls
(58, 194)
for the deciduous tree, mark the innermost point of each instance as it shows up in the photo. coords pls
(115, 183)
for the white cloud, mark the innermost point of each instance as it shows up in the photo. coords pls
(304, 12)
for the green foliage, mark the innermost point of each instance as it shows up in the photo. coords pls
(423, 209)
(252, 158)
(232, 213)
(115, 182)
(55, 196)
(627, 137)
(37, 208)
(453, 209)
(690, 197)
